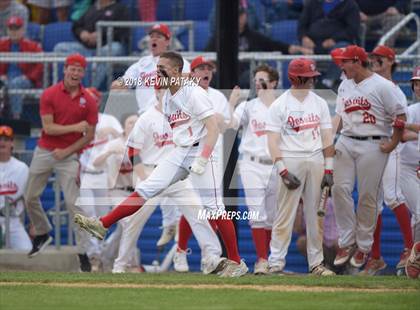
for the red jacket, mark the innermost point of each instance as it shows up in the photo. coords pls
(33, 71)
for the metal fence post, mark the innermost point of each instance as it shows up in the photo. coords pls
(7, 221)
(57, 213)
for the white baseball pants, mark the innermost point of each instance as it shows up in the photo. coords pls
(310, 172)
(261, 189)
(365, 161)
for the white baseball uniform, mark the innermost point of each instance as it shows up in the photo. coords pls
(393, 196)
(255, 165)
(13, 178)
(300, 125)
(410, 184)
(93, 180)
(152, 136)
(367, 110)
(143, 75)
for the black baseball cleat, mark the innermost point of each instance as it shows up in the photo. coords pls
(85, 265)
(39, 244)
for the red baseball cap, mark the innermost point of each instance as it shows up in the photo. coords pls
(416, 74)
(162, 29)
(200, 60)
(6, 131)
(354, 52)
(302, 67)
(14, 21)
(337, 52)
(384, 51)
(76, 59)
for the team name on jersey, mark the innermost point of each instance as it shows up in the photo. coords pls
(148, 78)
(356, 104)
(258, 127)
(160, 140)
(178, 118)
(8, 188)
(309, 121)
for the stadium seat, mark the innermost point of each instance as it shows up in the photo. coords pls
(165, 10)
(197, 10)
(285, 30)
(137, 34)
(201, 35)
(33, 32)
(55, 33)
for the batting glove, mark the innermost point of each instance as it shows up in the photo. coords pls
(398, 123)
(289, 179)
(327, 180)
(199, 165)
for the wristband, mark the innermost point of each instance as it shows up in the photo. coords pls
(329, 163)
(206, 152)
(281, 168)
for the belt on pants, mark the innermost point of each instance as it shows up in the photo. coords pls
(365, 138)
(259, 160)
(93, 171)
(127, 188)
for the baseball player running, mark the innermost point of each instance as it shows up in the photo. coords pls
(191, 116)
(383, 63)
(151, 139)
(366, 106)
(202, 71)
(301, 145)
(410, 172)
(142, 74)
(256, 166)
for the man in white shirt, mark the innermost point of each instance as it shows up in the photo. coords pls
(142, 75)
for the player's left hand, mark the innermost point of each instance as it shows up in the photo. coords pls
(327, 180)
(199, 165)
(418, 171)
(398, 123)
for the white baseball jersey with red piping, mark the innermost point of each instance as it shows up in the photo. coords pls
(410, 183)
(255, 166)
(142, 76)
(367, 110)
(185, 111)
(300, 125)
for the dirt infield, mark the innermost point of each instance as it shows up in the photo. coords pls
(272, 288)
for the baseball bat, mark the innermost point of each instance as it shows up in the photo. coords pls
(322, 208)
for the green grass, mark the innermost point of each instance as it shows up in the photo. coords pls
(45, 297)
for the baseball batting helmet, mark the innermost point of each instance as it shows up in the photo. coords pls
(300, 69)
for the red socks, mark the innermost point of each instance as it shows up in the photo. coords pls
(260, 242)
(227, 231)
(268, 239)
(129, 206)
(403, 217)
(376, 246)
(185, 233)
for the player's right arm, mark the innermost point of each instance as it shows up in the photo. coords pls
(337, 124)
(54, 129)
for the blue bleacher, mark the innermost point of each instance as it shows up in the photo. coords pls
(55, 33)
(285, 30)
(137, 35)
(201, 36)
(197, 10)
(33, 32)
(165, 10)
